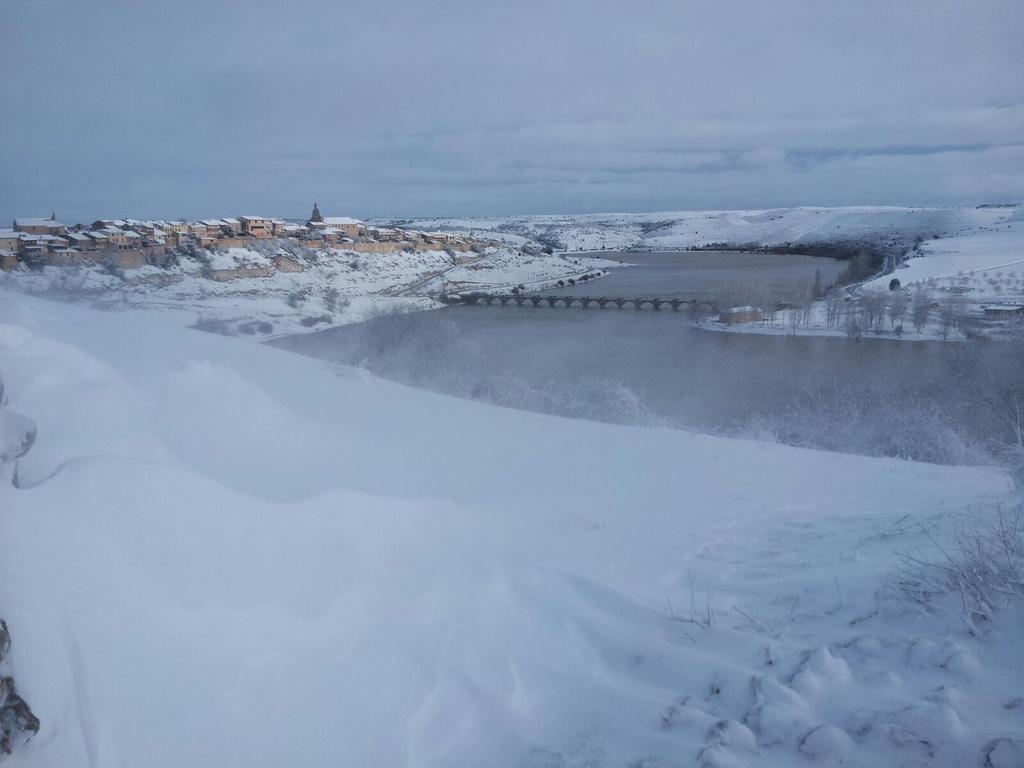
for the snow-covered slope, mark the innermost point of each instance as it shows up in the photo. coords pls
(981, 265)
(332, 287)
(685, 229)
(226, 555)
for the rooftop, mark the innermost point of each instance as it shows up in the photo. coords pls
(37, 223)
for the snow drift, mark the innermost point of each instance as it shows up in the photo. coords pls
(227, 555)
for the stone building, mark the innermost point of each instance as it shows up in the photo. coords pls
(48, 226)
(255, 226)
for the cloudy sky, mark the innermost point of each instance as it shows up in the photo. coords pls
(407, 107)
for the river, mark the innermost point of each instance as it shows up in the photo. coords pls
(653, 368)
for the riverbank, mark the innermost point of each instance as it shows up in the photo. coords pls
(781, 329)
(970, 285)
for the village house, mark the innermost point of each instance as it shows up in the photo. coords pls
(40, 226)
(745, 314)
(42, 243)
(98, 238)
(255, 226)
(80, 240)
(1003, 310)
(351, 227)
(122, 239)
(8, 260)
(9, 240)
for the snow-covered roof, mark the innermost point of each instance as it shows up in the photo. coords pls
(212, 222)
(80, 237)
(337, 221)
(253, 218)
(37, 223)
(738, 310)
(231, 221)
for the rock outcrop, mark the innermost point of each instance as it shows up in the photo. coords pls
(17, 723)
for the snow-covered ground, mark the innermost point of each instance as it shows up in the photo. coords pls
(335, 287)
(687, 229)
(959, 274)
(984, 266)
(227, 555)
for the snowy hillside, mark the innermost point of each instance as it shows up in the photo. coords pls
(226, 555)
(685, 229)
(981, 265)
(323, 288)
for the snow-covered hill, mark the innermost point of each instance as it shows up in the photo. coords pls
(686, 229)
(323, 288)
(226, 555)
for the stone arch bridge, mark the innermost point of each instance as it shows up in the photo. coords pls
(601, 302)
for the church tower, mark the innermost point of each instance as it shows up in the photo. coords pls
(315, 216)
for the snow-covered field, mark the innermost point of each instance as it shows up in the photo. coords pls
(227, 555)
(961, 273)
(978, 266)
(686, 229)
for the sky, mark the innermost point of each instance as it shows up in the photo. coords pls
(200, 108)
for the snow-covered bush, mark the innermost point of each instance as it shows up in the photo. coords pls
(981, 565)
(17, 722)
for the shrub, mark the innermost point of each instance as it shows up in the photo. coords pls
(982, 565)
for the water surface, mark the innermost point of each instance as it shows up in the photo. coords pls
(644, 367)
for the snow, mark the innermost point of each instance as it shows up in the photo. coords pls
(224, 554)
(687, 229)
(335, 287)
(978, 266)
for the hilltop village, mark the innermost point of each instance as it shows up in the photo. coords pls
(262, 277)
(131, 244)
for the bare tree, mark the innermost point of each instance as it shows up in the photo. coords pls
(897, 309)
(873, 306)
(833, 308)
(950, 317)
(921, 308)
(854, 326)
